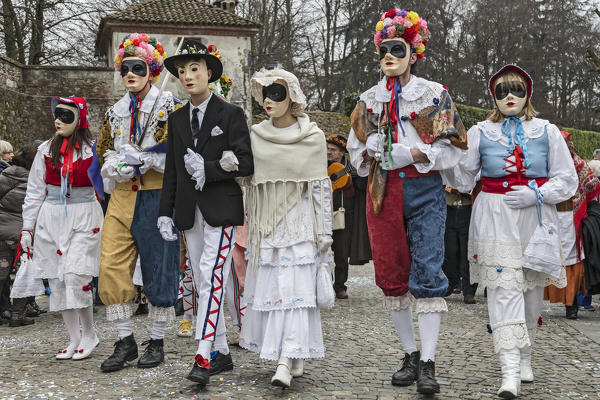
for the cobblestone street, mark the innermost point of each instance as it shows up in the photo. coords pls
(363, 351)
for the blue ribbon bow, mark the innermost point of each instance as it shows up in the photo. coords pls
(540, 198)
(519, 135)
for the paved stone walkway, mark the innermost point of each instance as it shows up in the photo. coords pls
(363, 351)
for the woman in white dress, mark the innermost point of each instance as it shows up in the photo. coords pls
(289, 228)
(514, 243)
(62, 220)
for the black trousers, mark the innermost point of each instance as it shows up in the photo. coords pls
(341, 252)
(456, 262)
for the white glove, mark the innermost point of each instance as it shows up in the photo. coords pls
(26, 241)
(401, 157)
(147, 161)
(324, 242)
(373, 144)
(125, 172)
(166, 227)
(521, 197)
(194, 164)
(130, 154)
(229, 161)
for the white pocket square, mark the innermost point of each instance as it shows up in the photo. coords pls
(216, 131)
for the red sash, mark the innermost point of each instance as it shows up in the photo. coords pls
(505, 183)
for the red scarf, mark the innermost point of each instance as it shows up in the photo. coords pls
(66, 152)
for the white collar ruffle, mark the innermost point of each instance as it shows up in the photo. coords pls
(121, 107)
(533, 128)
(413, 90)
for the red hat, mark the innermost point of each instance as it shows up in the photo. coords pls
(566, 134)
(518, 70)
(78, 102)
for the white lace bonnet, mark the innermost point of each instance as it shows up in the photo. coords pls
(266, 77)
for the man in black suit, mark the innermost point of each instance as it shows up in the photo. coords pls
(208, 147)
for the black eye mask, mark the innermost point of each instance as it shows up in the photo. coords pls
(397, 48)
(65, 115)
(137, 67)
(517, 89)
(275, 92)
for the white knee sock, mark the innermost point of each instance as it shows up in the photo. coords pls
(123, 327)
(71, 319)
(204, 347)
(221, 344)
(86, 317)
(158, 330)
(404, 326)
(429, 329)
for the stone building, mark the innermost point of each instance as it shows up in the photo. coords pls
(169, 20)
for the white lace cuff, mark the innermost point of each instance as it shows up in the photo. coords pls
(397, 303)
(510, 334)
(161, 314)
(431, 305)
(118, 311)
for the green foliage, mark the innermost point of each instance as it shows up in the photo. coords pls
(350, 102)
(471, 115)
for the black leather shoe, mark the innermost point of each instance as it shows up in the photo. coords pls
(153, 355)
(220, 363)
(125, 350)
(199, 374)
(179, 307)
(571, 311)
(426, 382)
(142, 309)
(407, 374)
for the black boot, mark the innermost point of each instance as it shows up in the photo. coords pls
(220, 363)
(153, 355)
(125, 350)
(142, 309)
(572, 311)
(18, 317)
(426, 383)
(407, 374)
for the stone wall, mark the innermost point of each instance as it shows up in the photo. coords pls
(25, 93)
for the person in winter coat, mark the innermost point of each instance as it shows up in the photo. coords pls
(6, 154)
(13, 184)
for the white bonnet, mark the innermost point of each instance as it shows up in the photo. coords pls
(266, 77)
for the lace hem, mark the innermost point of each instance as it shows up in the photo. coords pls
(70, 297)
(495, 252)
(397, 303)
(431, 305)
(118, 311)
(510, 278)
(282, 304)
(510, 334)
(276, 354)
(161, 314)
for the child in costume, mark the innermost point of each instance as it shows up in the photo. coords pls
(62, 221)
(208, 147)
(289, 229)
(131, 151)
(514, 236)
(405, 133)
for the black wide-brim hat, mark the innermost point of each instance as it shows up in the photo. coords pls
(194, 49)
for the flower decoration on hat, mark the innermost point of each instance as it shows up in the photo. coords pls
(404, 24)
(337, 140)
(145, 47)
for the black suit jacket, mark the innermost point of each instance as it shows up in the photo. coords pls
(220, 200)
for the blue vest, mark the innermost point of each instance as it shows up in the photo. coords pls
(493, 153)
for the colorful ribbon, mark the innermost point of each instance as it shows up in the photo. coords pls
(540, 198)
(135, 129)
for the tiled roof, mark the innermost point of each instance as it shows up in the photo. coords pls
(182, 12)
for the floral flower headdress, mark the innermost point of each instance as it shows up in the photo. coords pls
(337, 140)
(404, 24)
(145, 47)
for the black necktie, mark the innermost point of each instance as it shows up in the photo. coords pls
(195, 124)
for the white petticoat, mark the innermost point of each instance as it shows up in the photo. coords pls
(67, 244)
(498, 239)
(282, 318)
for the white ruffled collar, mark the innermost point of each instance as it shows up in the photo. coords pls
(533, 128)
(413, 90)
(121, 107)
